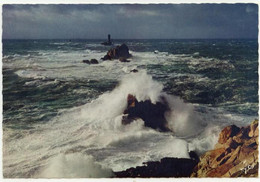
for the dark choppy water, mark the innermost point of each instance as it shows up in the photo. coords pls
(221, 73)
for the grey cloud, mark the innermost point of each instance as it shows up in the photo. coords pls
(131, 21)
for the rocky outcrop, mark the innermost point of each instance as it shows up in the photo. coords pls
(228, 132)
(235, 154)
(86, 61)
(92, 61)
(121, 51)
(166, 167)
(134, 71)
(151, 114)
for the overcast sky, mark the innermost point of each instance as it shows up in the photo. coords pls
(130, 21)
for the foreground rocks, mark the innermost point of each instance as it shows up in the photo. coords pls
(151, 114)
(166, 167)
(121, 52)
(235, 154)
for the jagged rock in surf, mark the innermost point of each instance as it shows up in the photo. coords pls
(134, 71)
(86, 61)
(166, 167)
(106, 57)
(92, 61)
(151, 114)
(117, 52)
(235, 154)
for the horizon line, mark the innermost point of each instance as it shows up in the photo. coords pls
(124, 38)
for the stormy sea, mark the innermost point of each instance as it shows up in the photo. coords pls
(62, 118)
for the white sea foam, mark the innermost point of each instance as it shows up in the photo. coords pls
(74, 166)
(206, 140)
(69, 65)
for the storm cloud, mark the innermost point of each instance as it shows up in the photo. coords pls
(130, 21)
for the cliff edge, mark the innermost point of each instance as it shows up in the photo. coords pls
(235, 154)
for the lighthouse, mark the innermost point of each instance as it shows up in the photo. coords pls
(108, 41)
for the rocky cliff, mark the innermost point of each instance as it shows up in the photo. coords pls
(235, 154)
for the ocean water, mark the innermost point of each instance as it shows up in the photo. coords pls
(62, 118)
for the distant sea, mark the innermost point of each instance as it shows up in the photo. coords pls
(62, 117)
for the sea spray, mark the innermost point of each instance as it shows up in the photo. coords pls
(206, 140)
(74, 166)
(103, 127)
(182, 119)
(112, 104)
(95, 129)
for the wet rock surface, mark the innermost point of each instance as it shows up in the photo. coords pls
(134, 71)
(151, 114)
(235, 154)
(121, 51)
(92, 61)
(166, 167)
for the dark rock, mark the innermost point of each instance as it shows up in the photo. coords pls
(228, 150)
(151, 114)
(134, 71)
(93, 61)
(233, 144)
(244, 132)
(193, 155)
(224, 160)
(122, 59)
(86, 61)
(220, 157)
(117, 52)
(167, 167)
(106, 57)
(228, 132)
